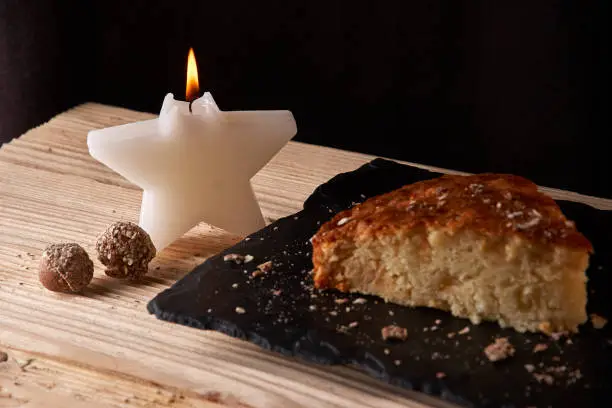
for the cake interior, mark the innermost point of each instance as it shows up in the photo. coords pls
(508, 279)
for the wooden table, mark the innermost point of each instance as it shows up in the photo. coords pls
(102, 348)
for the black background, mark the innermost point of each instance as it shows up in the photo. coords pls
(517, 87)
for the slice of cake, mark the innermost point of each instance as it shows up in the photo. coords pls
(484, 247)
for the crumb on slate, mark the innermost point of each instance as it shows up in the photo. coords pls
(440, 375)
(499, 350)
(451, 335)
(265, 267)
(240, 310)
(557, 335)
(598, 321)
(387, 351)
(352, 325)
(544, 378)
(340, 301)
(465, 330)
(394, 332)
(238, 258)
(360, 301)
(540, 347)
(530, 368)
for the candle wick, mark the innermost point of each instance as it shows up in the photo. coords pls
(190, 103)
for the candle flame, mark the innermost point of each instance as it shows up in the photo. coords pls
(193, 86)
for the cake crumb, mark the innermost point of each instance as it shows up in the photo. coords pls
(465, 330)
(451, 335)
(391, 313)
(530, 368)
(597, 321)
(236, 258)
(440, 375)
(234, 285)
(438, 321)
(540, 347)
(240, 310)
(556, 336)
(360, 301)
(397, 362)
(352, 325)
(393, 332)
(544, 378)
(312, 308)
(340, 301)
(557, 370)
(387, 351)
(499, 350)
(265, 267)
(257, 273)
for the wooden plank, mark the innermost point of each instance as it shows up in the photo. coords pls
(51, 190)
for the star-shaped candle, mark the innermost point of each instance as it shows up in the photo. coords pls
(194, 162)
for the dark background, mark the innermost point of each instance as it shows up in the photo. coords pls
(519, 87)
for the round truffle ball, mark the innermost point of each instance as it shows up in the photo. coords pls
(65, 268)
(126, 250)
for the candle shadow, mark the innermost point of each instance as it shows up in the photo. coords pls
(198, 243)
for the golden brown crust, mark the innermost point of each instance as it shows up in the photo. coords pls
(491, 204)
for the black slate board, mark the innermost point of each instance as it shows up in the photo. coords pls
(284, 322)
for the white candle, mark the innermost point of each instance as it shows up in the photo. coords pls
(194, 166)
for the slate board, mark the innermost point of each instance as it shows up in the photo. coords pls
(280, 317)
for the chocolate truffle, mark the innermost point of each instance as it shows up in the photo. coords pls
(65, 268)
(126, 250)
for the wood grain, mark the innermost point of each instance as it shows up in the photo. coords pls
(102, 347)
